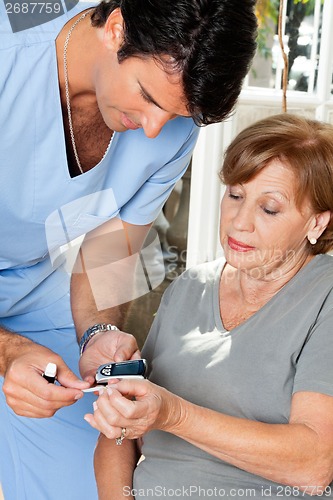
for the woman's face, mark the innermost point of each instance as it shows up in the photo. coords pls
(262, 231)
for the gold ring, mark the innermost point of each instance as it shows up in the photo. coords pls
(120, 439)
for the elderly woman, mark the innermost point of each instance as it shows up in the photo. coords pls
(239, 401)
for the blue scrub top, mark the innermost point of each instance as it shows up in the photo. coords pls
(42, 208)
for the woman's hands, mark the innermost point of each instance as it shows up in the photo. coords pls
(139, 406)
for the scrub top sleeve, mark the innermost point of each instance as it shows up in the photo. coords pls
(314, 368)
(146, 204)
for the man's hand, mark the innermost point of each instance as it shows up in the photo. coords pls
(28, 393)
(104, 348)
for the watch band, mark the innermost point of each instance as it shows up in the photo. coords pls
(92, 331)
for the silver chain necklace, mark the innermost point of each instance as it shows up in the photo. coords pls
(68, 102)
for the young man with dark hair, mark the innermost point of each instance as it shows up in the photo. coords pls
(99, 114)
(195, 40)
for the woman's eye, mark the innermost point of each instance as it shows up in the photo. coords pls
(269, 212)
(234, 196)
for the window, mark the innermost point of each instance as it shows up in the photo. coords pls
(301, 30)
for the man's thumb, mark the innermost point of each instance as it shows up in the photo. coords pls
(67, 378)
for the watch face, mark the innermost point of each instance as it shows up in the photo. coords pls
(126, 369)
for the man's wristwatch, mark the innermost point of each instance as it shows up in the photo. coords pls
(92, 331)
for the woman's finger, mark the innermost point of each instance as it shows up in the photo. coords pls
(99, 422)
